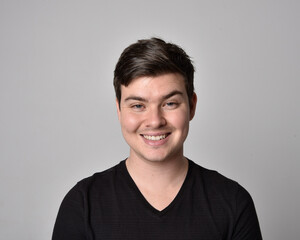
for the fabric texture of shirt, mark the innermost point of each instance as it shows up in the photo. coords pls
(108, 205)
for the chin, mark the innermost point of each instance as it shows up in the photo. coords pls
(155, 158)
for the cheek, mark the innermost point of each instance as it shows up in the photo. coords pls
(180, 120)
(129, 122)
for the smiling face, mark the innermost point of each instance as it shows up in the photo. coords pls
(154, 113)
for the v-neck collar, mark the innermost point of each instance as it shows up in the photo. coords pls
(144, 201)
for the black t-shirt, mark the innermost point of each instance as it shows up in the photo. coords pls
(108, 205)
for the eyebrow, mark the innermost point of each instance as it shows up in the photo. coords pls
(138, 98)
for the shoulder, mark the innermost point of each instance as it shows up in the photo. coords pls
(100, 177)
(228, 202)
(218, 186)
(98, 183)
(211, 177)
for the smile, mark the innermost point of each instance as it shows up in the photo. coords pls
(155, 138)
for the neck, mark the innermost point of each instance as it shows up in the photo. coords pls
(157, 173)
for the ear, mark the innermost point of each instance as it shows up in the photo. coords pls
(193, 105)
(118, 108)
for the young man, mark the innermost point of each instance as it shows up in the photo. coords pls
(156, 193)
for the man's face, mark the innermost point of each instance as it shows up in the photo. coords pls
(154, 113)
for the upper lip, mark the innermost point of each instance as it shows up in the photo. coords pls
(155, 134)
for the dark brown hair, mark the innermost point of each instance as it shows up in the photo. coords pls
(153, 57)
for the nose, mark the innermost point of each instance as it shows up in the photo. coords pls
(155, 118)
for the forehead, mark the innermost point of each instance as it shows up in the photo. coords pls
(154, 86)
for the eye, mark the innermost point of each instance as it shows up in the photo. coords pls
(171, 105)
(137, 107)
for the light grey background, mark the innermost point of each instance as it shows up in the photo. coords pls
(58, 121)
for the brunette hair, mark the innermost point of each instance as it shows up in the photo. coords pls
(153, 57)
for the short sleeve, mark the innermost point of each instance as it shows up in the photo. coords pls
(247, 225)
(70, 223)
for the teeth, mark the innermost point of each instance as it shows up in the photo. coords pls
(155, 138)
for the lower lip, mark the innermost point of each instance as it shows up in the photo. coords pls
(156, 143)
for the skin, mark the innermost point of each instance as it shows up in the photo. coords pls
(154, 114)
